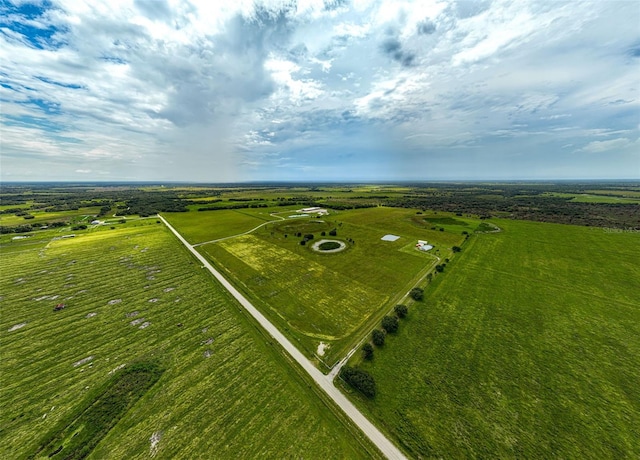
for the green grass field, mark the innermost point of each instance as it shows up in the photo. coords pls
(333, 298)
(134, 294)
(528, 346)
(607, 196)
(198, 227)
(82, 214)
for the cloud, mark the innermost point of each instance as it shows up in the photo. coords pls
(426, 27)
(605, 146)
(215, 91)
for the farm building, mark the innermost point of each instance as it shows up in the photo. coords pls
(315, 210)
(423, 245)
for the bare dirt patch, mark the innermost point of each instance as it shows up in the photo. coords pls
(17, 326)
(83, 361)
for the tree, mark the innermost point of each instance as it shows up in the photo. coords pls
(401, 311)
(308, 236)
(378, 337)
(456, 249)
(360, 380)
(333, 232)
(303, 242)
(390, 324)
(417, 293)
(367, 351)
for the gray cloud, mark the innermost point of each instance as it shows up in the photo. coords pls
(393, 48)
(426, 27)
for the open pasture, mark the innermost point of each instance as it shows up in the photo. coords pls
(198, 227)
(529, 347)
(132, 295)
(330, 297)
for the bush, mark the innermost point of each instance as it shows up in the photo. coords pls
(360, 380)
(390, 324)
(367, 352)
(417, 293)
(401, 311)
(377, 336)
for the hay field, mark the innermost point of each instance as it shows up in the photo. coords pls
(135, 295)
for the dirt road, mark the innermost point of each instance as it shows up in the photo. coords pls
(325, 382)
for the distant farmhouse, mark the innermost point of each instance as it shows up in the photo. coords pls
(423, 246)
(315, 210)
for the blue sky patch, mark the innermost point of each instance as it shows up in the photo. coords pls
(30, 21)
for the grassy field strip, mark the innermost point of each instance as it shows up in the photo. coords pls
(239, 234)
(205, 226)
(225, 391)
(363, 333)
(385, 446)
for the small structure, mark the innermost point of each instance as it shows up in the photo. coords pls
(390, 238)
(423, 246)
(59, 307)
(314, 210)
(95, 222)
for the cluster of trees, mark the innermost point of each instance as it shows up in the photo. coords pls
(234, 206)
(307, 237)
(31, 227)
(360, 380)
(522, 201)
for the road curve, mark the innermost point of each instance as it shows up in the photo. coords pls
(324, 382)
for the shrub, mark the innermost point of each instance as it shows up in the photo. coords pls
(377, 336)
(417, 293)
(367, 351)
(360, 380)
(401, 310)
(390, 324)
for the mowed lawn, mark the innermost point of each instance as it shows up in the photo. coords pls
(198, 227)
(135, 294)
(527, 346)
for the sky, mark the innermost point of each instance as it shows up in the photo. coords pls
(319, 90)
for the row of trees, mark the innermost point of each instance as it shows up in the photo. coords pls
(360, 379)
